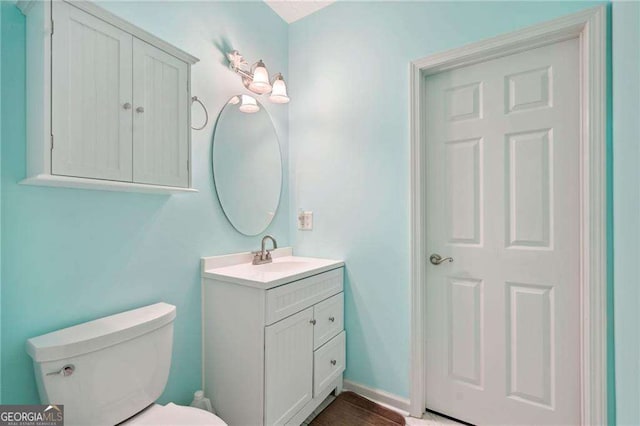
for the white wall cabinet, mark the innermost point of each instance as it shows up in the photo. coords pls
(108, 103)
(271, 356)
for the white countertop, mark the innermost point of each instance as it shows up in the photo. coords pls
(238, 269)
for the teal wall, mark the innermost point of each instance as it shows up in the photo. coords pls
(626, 193)
(349, 127)
(0, 205)
(72, 255)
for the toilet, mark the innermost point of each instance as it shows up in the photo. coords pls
(112, 370)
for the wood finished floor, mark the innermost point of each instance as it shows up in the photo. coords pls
(428, 419)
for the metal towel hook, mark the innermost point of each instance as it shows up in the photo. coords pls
(206, 113)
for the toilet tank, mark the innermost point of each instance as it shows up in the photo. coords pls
(105, 371)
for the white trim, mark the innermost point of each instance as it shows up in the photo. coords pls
(418, 249)
(105, 185)
(593, 222)
(546, 33)
(590, 27)
(387, 399)
(25, 6)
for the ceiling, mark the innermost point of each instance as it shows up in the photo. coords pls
(292, 10)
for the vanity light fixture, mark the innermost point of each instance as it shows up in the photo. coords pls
(279, 90)
(256, 78)
(249, 104)
(260, 81)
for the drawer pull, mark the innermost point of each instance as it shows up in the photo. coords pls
(312, 322)
(333, 362)
(332, 319)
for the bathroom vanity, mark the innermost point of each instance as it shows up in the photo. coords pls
(273, 336)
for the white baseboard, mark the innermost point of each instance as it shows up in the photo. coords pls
(387, 399)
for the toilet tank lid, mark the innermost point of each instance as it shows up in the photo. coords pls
(101, 333)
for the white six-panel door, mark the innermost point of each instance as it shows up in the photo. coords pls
(502, 200)
(91, 97)
(160, 123)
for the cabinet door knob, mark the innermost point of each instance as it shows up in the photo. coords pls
(312, 322)
(332, 319)
(140, 109)
(333, 362)
(126, 106)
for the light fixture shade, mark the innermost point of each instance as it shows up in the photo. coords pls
(279, 91)
(260, 83)
(249, 104)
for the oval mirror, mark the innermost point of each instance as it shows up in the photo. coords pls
(247, 166)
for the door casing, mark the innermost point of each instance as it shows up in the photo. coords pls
(589, 26)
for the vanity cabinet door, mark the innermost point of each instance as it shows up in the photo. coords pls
(160, 117)
(288, 366)
(91, 97)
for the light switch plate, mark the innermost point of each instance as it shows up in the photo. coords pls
(305, 220)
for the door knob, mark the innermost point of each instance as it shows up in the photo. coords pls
(140, 109)
(436, 259)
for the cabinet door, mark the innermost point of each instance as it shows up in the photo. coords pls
(91, 85)
(288, 366)
(160, 123)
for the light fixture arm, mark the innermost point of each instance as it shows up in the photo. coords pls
(243, 73)
(239, 65)
(236, 61)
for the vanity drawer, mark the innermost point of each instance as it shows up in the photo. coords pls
(291, 298)
(328, 363)
(329, 316)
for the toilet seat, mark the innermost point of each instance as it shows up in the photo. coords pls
(174, 415)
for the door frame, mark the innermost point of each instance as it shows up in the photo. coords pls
(589, 26)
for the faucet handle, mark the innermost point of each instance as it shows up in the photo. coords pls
(257, 257)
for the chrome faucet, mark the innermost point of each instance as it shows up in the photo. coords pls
(264, 255)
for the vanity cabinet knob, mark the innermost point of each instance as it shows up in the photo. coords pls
(332, 319)
(312, 322)
(333, 362)
(140, 109)
(126, 106)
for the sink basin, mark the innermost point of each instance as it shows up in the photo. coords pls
(284, 266)
(238, 268)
